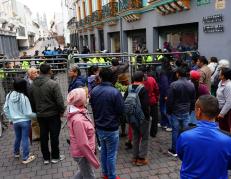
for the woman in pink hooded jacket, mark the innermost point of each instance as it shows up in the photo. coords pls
(82, 134)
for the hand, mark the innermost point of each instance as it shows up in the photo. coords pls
(220, 116)
(165, 98)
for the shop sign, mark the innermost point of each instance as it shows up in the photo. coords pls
(220, 4)
(213, 28)
(202, 2)
(211, 25)
(213, 19)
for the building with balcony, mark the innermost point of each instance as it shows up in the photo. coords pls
(8, 26)
(182, 24)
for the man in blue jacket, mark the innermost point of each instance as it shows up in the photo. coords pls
(107, 106)
(205, 150)
(77, 81)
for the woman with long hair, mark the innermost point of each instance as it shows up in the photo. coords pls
(17, 109)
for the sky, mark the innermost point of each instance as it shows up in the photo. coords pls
(43, 6)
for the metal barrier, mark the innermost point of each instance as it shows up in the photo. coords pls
(135, 61)
(60, 65)
(12, 69)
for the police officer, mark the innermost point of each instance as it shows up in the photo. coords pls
(147, 58)
(159, 57)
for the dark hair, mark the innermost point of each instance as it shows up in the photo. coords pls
(106, 75)
(209, 105)
(226, 72)
(92, 70)
(195, 57)
(143, 68)
(138, 76)
(196, 85)
(203, 60)
(214, 59)
(178, 62)
(183, 70)
(165, 66)
(115, 62)
(20, 85)
(44, 69)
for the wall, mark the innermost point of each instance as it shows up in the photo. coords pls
(214, 44)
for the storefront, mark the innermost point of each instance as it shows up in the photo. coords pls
(183, 37)
(114, 42)
(136, 40)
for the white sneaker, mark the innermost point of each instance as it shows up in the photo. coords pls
(16, 155)
(61, 157)
(168, 129)
(46, 162)
(30, 159)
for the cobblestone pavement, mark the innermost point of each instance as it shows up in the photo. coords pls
(161, 165)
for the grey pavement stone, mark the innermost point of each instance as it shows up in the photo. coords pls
(160, 164)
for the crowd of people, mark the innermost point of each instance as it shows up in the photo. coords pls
(194, 103)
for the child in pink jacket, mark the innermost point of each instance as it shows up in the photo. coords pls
(82, 134)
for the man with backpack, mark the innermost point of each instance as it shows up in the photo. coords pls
(137, 111)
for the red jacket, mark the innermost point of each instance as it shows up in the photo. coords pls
(153, 90)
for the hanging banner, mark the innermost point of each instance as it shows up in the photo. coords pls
(220, 4)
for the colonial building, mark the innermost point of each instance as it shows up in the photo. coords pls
(182, 24)
(8, 25)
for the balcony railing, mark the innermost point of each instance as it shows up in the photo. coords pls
(88, 20)
(81, 23)
(97, 16)
(130, 4)
(110, 9)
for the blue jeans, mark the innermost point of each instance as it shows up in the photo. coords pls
(22, 130)
(179, 123)
(109, 142)
(163, 111)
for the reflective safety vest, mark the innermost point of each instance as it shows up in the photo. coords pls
(25, 65)
(39, 62)
(96, 60)
(147, 59)
(159, 57)
(93, 60)
(2, 75)
(133, 60)
(101, 60)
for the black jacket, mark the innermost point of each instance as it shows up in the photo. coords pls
(47, 97)
(181, 97)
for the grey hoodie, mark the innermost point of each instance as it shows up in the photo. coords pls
(47, 97)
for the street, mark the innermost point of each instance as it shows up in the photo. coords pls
(161, 165)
